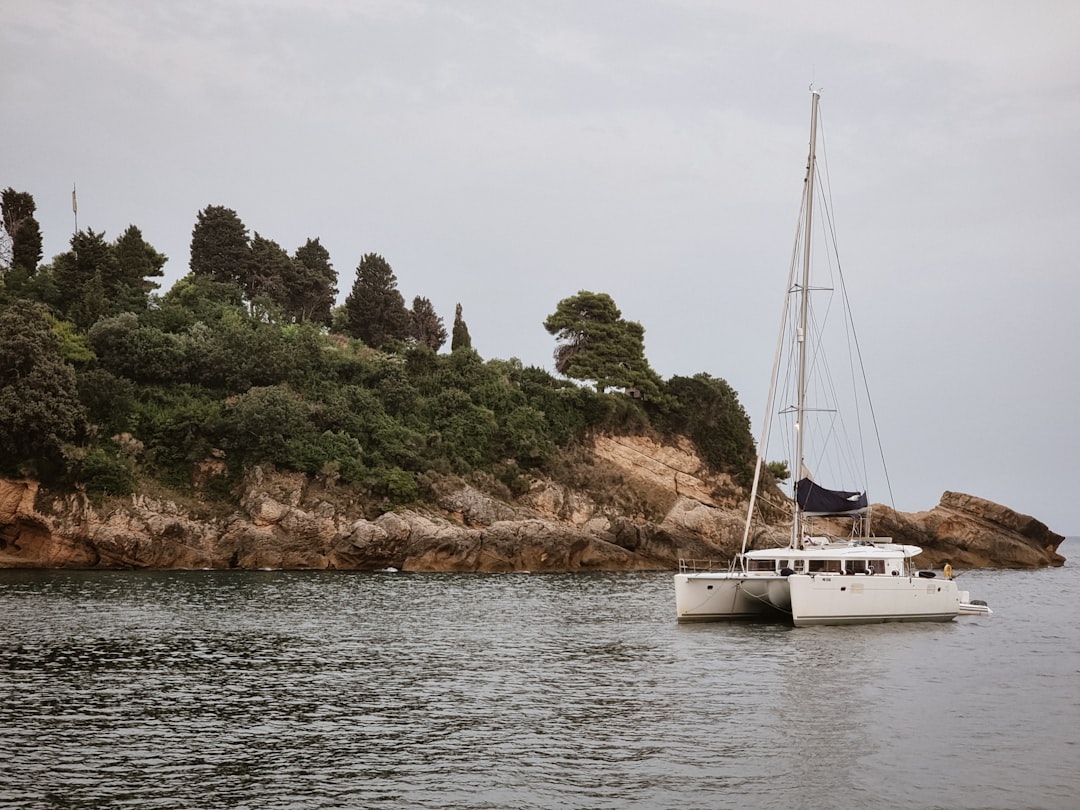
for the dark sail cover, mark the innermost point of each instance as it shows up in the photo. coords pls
(820, 501)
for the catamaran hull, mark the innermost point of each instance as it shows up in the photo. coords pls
(834, 599)
(805, 599)
(704, 597)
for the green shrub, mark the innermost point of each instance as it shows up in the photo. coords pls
(329, 452)
(104, 473)
(401, 487)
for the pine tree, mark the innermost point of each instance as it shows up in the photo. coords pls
(595, 343)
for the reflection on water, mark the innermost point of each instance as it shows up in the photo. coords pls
(335, 689)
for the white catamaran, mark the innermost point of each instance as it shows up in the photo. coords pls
(833, 570)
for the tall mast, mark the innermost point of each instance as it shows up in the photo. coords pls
(804, 308)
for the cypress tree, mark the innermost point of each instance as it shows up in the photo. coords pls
(220, 247)
(375, 311)
(460, 338)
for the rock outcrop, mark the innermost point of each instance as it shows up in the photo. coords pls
(284, 522)
(971, 532)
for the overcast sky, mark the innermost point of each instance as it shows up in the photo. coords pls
(506, 155)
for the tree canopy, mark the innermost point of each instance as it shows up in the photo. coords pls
(220, 247)
(103, 383)
(428, 327)
(460, 338)
(708, 411)
(40, 411)
(375, 310)
(137, 263)
(21, 247)
(596, 344)
(313, 286)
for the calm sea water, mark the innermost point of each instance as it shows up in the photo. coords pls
(320, 690)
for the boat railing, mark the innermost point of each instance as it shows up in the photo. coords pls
(692, 566)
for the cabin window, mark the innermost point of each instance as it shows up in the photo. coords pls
(825, 567)
(859, 566)
(762, 565)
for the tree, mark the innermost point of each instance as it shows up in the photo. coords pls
(269, 272)
(595, 343)
(708, 411)
(96, 278)
(428, 327)
(314, 287)
(263, 423)
(137, 263)
(40, 411)
(23, 248)
(145, 354)
(17, 206)
(375, 310)
(779, 470)
(86, 276)
(460, 338)
(220, 247)
(26, 246)
(195, 298)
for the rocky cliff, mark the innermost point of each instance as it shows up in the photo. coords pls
(286, 521)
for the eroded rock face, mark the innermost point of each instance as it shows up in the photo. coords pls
(280, 525)
(676, 468)
(289, 533)
(971, 532)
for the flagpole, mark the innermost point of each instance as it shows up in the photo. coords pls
(75, 207)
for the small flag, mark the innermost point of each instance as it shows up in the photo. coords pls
(74, 202)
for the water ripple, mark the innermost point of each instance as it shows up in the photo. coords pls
(334, 689)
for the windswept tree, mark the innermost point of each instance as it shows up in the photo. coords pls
(314, 286)
(428, 327)
(460, 337)
(595, 343)
(220, 247)
(374, 309)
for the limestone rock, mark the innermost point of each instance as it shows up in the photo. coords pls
(560, 503)
(673, 467)
(284, 523)
(971, 532)
(474, 507)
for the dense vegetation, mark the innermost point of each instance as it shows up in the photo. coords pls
(107, 385)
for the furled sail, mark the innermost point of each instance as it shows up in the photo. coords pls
(814, 499)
